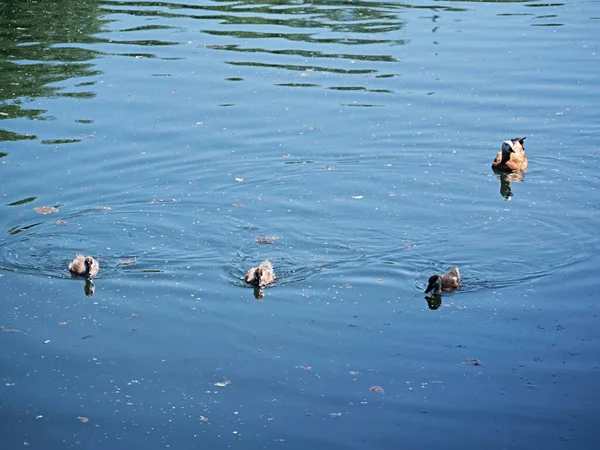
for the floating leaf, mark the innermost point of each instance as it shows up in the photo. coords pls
(45, 209)
(378, 389)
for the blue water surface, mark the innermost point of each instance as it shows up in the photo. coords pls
(350, 144)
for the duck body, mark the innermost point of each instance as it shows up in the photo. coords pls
(444, 283)
(82, 266)
(262, 275)
(512, 157)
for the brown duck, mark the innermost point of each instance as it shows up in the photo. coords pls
(82, 266)
(262, 275)
(511, 157)
(444, 283)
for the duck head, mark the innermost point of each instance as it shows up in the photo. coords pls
(435, 282)
(514, 145)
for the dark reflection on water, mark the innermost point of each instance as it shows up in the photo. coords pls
(506, 179)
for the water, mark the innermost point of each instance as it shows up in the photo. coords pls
(357, 137)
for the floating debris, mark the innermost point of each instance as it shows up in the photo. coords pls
(61, 223)
(203, 419)
(358, 196)
(304, 367)
(83, 419)
(223, 383)
(377, 389)
(63, 324)
(45, 209)
(11, 330)
(127, 261)
(238, 205)
(103, 208)
(335, 414)
(353, 373)
(240, 180)
(263, 241)
(472, 362)
(158, 202)
(47, 341)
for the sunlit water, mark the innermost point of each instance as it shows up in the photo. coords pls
(355, 140)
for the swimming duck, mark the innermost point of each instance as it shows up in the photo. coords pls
(444, 283)
(84, 266)
(511, 157)
(262, 275)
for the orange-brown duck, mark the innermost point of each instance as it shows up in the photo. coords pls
(512, 157)
(262, 275)
(444, 283)
(82, 266)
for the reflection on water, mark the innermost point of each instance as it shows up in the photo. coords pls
(434, 301)
(89, 288)
(41, 44)
(180, 143)
(506, 178)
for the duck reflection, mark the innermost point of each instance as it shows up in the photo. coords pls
(89, 288)
(434, 301)
(259, 293)
(505, 179)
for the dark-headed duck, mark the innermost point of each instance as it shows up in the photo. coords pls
(82, 266)
(444, 283)
(262, 275)
(511, 157)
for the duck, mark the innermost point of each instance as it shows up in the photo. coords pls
(444, 283)
(82, 266)
(262, 275)
(512, 156)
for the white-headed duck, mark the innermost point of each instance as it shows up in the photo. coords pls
(511, 157)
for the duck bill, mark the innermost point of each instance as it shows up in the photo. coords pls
(429, 288)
